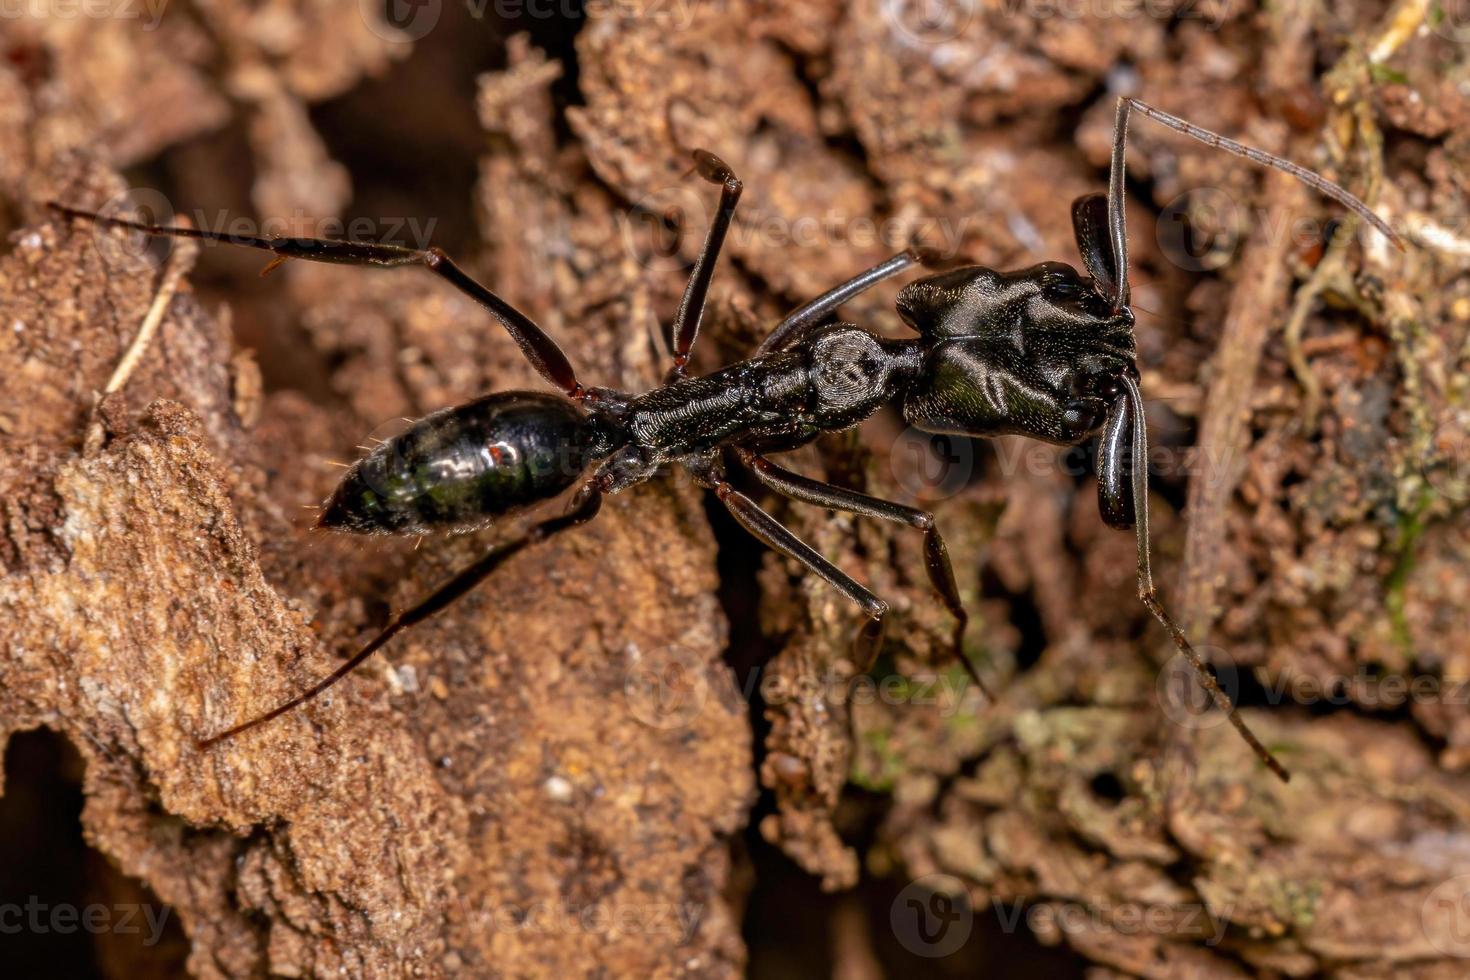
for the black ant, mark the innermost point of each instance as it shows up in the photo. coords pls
(1040, 352)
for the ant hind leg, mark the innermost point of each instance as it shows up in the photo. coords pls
(583, 508)
(543, 353)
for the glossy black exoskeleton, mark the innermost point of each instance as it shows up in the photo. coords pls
(460, 468)
(1042, 352)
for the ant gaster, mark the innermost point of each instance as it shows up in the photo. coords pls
(1041, 352)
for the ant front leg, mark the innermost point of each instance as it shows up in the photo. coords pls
(583, 508)
(936, 555)
(685, 327)
(814, 312)
(543, 353)
(778, 537)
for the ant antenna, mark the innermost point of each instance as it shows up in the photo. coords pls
(1117, 175)
(1150, 597)
(1119, 288)
(1311, 178)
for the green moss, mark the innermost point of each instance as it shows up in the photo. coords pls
(878, 743)
(1410, 529)
(1383, 73)
(1296, 902)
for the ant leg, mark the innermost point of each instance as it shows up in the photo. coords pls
(1150, 596)
(543, 353)
(583, 508)
(809, 314)
(691, 308)
(936, 555)
(773, 534)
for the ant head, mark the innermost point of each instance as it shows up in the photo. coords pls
(1039, 352)
(971, 300)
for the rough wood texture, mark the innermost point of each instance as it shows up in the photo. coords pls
(551, 777)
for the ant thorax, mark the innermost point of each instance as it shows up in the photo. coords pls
(832, 379)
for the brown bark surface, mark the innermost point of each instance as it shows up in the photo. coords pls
(552, 778)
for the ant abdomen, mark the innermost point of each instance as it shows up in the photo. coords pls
(459, 468)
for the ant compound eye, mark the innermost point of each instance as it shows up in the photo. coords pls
(1094, 382)
(1062, 288)
(1083, 417)
(1060, 282)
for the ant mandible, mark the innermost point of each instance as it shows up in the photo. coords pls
(1040, 352)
